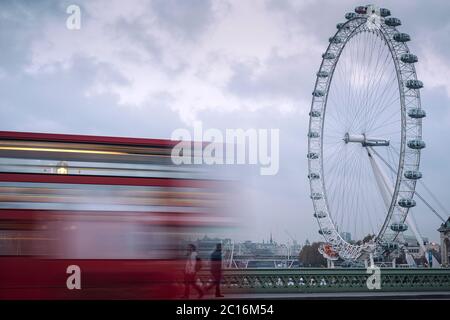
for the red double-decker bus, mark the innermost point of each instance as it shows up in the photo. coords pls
(115, 208)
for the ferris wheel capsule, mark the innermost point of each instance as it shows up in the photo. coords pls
(320, 215)
(313, 134)
(414, 84)
(408, 58)
(392, 22)
(312, 155)
(313, 176)
(385, 12)
(361, 10)
(314, 113)
(399, 227)
(402, 37)
(413, 174)
(390, 245)
(316, 196)
(329, 55)
(324, 231)
(417, 113)
(318, 93)
(350, 15)
(407, 203)
(335, 40)
(416, 144)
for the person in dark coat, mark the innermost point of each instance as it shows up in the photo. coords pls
(216, 269)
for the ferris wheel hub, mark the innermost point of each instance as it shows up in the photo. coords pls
(364, 140)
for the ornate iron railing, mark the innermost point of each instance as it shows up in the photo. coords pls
(330, 280)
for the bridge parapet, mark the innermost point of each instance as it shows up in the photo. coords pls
(330, 280)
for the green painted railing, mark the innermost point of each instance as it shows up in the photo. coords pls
(330, 280)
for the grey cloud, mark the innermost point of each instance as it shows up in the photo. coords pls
(186, 19)
(58, 100)
(282, 77)
(138, 32)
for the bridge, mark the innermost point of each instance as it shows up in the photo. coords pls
(320, 280)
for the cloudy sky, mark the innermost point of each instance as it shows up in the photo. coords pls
(145, 68)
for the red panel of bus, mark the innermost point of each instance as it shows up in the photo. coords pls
(109, 213)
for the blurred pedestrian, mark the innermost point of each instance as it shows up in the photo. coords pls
(193, 264)
(216, 269)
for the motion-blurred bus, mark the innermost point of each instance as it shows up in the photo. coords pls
(116, 208)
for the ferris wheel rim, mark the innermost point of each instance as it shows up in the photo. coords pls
(353, 27)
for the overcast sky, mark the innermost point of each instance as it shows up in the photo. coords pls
(146, 68)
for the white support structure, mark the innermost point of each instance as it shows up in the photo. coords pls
(412, 224)
(230, 262)
(387, 191)
(382, 180)
(330, 264)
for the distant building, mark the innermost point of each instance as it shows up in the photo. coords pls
(206, 245)
(265, 254)
(414, 248)
(445, 242)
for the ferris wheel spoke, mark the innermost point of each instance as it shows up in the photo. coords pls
(393, 99)
(398, 121)
(372, 92)
(330, 158)
(369, 83)
(369, 109)
(352, 80)
(381, 93)
(376, 113)
(341, 92)
(336, 175)
(332, 143)
(368, 78)
(349, 192)
(332, 109)
(379, 211)
(347, 83)
(364, 109)
(337, 119)
(361, 74)
(351, 199)
(387, 116)
(348, 180)
(343, 172)
(336, 191)
(394, 162)
(359, 201)
(364, 199)
(337, 162)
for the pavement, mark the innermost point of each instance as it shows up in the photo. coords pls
(434, 295)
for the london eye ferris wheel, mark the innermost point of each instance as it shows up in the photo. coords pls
(365, 134)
